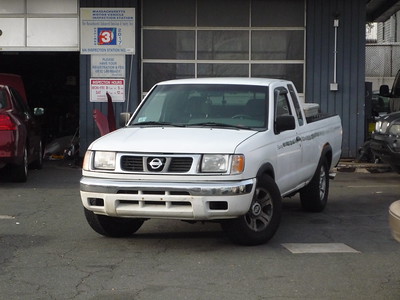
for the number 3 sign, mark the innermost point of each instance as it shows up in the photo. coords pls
(106, 36)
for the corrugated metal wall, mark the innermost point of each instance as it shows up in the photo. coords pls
(348, 101)
(87, 127)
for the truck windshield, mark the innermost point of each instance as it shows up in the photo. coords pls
(214, 105)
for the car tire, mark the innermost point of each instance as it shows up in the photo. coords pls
(38, 162)
(314, 196)
(262, 220)
(396, 168)
(19, 172)
(112, 226)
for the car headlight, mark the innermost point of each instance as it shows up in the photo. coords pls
(104, 160)
(378, 126)
(394, 129)
(384, 127)
(215, 163)
(219, 163)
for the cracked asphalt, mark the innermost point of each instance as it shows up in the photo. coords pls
(47, 250)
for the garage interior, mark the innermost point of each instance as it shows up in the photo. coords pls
(52, 82)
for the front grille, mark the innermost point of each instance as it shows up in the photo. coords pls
(180, 164)
(131, 163)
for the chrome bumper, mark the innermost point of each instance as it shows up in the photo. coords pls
(172, 200)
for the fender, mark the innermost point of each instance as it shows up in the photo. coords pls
(266, 168)
(327, 151)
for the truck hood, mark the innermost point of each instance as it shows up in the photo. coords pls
(172, 140)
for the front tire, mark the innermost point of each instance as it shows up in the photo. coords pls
(112, 226)
(314, 196)
(262, 220)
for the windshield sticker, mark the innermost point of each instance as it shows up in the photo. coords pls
(142, 119)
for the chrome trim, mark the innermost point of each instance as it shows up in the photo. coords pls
(234, 188)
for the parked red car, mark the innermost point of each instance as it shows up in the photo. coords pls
(20, 133)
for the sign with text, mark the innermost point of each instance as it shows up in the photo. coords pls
(99, 87)
(108, 66)
(107, 30)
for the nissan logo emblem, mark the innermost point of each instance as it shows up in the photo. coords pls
(156, 163)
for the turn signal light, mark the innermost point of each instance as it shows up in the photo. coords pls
(6, 123)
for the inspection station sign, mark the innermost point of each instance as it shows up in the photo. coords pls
(113, 86)
(107, 30)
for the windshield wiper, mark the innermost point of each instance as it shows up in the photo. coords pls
(221, 125)
(155, 123)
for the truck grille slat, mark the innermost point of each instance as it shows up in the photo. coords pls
(180, 164)
(132, 163)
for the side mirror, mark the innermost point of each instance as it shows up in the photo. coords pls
(124, 118)
(283, 123)
(38, 111)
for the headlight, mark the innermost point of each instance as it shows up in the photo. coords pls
(216, 163)
(104, 160)
(219, 163)
(378, 126)
(384, 127)
(394, 129)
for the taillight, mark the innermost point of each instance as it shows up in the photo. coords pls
(6, 123)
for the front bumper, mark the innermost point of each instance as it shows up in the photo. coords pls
(381, 146)
(169, 200)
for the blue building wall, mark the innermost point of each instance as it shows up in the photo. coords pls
(349, 100)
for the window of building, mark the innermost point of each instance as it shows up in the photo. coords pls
(223, 38)
(39, 25)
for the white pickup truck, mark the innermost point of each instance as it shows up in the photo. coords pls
(216, 149)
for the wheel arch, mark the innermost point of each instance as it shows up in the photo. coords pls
(327, 153)
(266, 169)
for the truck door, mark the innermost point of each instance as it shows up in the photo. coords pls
(289, 155)
(307, 156)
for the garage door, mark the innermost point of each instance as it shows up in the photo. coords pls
(39, 25)
(215, 38)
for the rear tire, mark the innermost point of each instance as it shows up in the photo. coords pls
(38, 162)
(19, 173)
(314, 196)
(262, 220)
(396, 168)
(112, 226)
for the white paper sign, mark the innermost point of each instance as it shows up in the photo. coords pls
(108, 66)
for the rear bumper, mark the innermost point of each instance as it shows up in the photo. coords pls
(170, 200)
(8, 148)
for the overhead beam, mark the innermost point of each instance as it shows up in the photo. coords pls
(381, 10)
